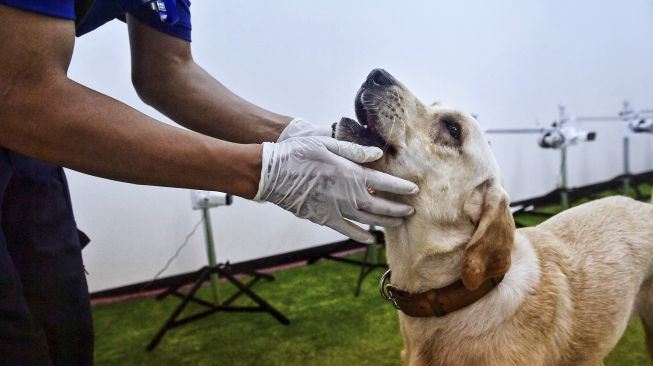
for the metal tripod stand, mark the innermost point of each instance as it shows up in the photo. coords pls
(213, 272)
(371, 258)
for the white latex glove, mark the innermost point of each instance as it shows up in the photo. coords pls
(301, 128)
(317, 178)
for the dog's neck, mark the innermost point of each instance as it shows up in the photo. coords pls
(415, 270)
(424, 255)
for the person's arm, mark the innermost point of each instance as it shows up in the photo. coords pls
(45, 115)
(167, 78)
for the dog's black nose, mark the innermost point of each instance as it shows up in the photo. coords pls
(381, 77)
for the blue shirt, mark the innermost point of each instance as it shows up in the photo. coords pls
(102, 11)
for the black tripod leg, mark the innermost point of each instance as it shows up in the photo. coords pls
(638, 193)
(252, 273)
(363, 272)
(171, 320)
(252, 295)
(265, 276)
(174, 288)
(235, 296)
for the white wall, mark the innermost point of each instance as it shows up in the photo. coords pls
(509, 61)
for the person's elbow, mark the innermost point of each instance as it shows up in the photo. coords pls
(146, 85)
(26, 100)
(20, 91)
(155, 82)
(8, 88)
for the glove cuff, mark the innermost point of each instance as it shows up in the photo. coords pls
(268, 149)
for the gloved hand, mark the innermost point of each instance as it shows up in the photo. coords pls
(317, 178)
(299, 128)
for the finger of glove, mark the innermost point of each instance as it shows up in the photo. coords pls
(301, 128)
(322, 131)
(352, 231)
(373, 219)
(354, 152)
(384, 207)
(389, 183)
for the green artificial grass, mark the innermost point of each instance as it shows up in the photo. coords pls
(329, 326)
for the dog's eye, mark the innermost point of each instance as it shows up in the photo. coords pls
(453, 127)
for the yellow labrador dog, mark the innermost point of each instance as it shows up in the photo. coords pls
(474, 291)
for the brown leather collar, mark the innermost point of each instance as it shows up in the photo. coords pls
(437, 301)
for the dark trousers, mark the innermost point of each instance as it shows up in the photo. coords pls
(45, 316)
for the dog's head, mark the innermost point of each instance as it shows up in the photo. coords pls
(444, 151)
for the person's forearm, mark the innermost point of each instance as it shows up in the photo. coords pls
(167, 78)
(65, 123)
(193, 98)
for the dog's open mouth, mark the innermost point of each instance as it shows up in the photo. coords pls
(368, 130)
(365, 130)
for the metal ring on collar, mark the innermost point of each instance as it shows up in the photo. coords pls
(385, 293)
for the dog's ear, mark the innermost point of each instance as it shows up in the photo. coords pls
(487, 254)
